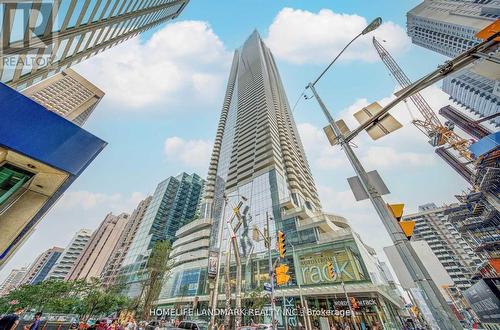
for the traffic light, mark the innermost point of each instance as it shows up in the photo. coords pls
(354, 303)
(330, 269)
(281, 274)
(281, 244)
(406, 226)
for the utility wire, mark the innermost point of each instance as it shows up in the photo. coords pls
(298, 100)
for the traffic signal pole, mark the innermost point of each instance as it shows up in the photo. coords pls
(350, 307)
(271, 273)
(438, 306)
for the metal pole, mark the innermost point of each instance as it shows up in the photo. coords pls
(419, 274)
(238, 280)
(215, 296)
(306, 315)
(285, 319)
(227, 284)
(271, 276)
(350, 307)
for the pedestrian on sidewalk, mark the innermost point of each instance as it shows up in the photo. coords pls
(10, 321)
(36, 324)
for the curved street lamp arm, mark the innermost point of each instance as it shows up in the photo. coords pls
(336, 57)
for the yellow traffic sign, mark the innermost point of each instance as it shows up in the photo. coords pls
(407, 227)
(397, 210)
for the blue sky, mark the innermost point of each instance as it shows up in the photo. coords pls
(164, 94)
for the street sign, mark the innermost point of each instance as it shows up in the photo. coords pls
(213, 261)
(383, 126)
(330, 134)
(267, 287)
(375, 180)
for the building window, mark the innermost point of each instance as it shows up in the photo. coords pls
(12, 179)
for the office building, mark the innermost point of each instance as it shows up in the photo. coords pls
(258, 160)
(12, 281)
(99, 248)
(174, 203)
(70, 255)
(68, 94)
(109, 275)
(37, 164)
(454, 253)
(70, 32)
(449, 27)
(42, 265)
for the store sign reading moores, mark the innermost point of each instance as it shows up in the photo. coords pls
(27, 35)
(314, 270)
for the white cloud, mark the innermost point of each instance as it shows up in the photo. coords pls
(301, 36)
(184, 60)
(192, 153)
(89, 201)
(386, 157)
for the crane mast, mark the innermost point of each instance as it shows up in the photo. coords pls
(431, 126)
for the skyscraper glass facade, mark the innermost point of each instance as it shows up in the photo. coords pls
(258, 160)
(174, 203)
(257, 153)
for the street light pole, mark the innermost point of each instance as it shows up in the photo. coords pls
(419, 274)
(440, 309)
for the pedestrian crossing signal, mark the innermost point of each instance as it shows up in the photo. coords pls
(330, 269)
(281, 244)
(281, 274)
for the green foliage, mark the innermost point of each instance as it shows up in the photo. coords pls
(255, 299)
(157, 269)
(87, 299)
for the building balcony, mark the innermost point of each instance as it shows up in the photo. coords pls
(336, 235)
(193, 226)
(287, 203)
(191, 256)
(198, 244)
(299, 211)
(190, 238)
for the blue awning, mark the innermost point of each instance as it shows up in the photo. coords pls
(485, 145)
(30, 129)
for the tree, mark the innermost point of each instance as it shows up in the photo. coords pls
(255, 300)
(80, 297)
(157, 270)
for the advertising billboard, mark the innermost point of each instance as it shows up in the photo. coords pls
(311, 264)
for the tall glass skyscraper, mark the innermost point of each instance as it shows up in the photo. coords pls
(258, 155)
(174, 203)
(257, 152)
(67, 32)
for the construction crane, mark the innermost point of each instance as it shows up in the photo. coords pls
(431, 126)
